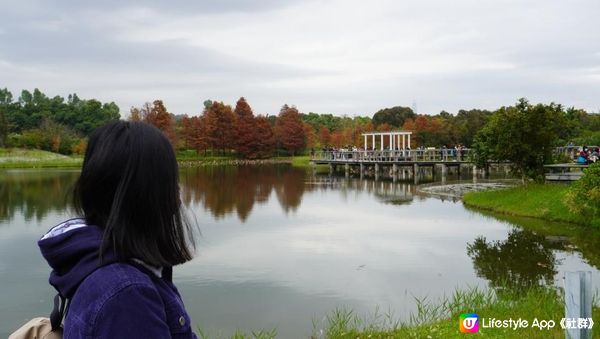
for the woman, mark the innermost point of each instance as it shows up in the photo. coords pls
(114, 263)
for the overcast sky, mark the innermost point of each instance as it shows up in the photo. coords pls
(344, 57)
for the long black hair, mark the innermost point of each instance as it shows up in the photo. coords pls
(129, 187)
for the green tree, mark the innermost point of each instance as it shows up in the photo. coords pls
(524, 135)
(3, 128)
(394, 116)
(5, 104)
(584, 194)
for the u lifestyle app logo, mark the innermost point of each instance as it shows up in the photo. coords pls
(468, 323)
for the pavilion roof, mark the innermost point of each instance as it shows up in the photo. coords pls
(388, 133)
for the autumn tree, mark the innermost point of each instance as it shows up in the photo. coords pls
(311, 136)
(135, 114)
(324, 136)
(290, 130)
(157, 115)
(337, 139)
(266, 138)
(247, 140)
(219, 121)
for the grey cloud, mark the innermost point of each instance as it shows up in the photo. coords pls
(163, 6)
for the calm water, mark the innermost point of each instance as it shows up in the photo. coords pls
(282, 248)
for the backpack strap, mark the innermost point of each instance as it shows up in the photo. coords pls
(58, 312)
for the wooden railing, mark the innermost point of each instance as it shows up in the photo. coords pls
(443, 154)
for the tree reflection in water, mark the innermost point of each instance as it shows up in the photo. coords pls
(523, 260)
(227, 189)
(34, 193)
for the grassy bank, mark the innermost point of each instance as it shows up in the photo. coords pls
(32, 158)
(544, 201)
(440, 319)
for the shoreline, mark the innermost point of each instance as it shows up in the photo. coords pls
(34, 159)
(536, 201)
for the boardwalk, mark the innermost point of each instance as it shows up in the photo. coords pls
(404, 157)
(394, 161)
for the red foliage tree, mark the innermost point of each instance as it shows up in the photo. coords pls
(337, 139)
(193, 133)
(266, 137)
(245, 129)
(311, 136)
(324, 136)
(290, 130)
(158, 116)
(219, 123)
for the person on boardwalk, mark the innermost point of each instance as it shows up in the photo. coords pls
(114, 263)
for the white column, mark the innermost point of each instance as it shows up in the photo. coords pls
(365, 141)
(381, 141)
(373, 142)
(392, 141)
(409, 142)
(403, 142)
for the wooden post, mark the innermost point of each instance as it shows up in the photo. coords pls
(444, 173)
(416, 173)
(578, 303)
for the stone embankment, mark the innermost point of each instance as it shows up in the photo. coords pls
(457, 190)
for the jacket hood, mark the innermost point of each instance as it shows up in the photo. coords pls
(72, 250)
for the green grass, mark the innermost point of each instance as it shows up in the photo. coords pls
(440, 319)
(297, 161)
(33, 158)
(303, 161)
(192, 155)
(544, 201)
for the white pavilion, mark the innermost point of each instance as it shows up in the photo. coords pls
(397, 139)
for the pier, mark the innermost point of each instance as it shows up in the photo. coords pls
(396, 162)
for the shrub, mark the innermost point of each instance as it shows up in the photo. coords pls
(584, 195)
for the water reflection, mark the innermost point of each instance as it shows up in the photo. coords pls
(226, 190)
(566, 237)
(523, 260)
(280, 246)
(34, 193)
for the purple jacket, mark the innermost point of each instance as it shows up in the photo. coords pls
(110, 299)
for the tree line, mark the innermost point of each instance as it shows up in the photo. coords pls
(35, 120)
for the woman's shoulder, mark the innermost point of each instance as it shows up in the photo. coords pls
(115, 294)
(112, 278)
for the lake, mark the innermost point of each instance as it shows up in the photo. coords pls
(279, 247)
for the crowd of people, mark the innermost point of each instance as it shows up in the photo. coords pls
(587, 155)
